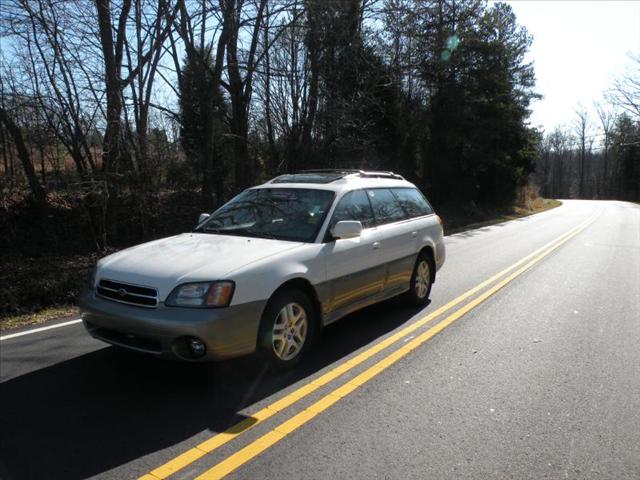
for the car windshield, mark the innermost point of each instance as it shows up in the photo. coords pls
(293, 214)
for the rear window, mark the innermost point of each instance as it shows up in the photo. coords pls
(412, 202)
(386, 208)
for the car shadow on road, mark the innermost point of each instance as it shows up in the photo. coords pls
(101, 410)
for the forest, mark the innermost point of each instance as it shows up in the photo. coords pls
(121, 120)
(597, 158)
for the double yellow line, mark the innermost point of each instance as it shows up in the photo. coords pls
(256, 447)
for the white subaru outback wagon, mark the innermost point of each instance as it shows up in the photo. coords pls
(270, 268)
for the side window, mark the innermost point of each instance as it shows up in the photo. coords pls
(413, 202)
(353, 206)
(386, 208)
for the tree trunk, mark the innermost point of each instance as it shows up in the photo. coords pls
(112, 146)
(42, 164)
(238, 109)
(313, 49)
(5, 157)
(240, 92)
(207, 178)
(273, 158)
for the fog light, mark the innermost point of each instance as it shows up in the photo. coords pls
(197, 346)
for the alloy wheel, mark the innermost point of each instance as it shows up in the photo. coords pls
(289, 331)
(422, 279)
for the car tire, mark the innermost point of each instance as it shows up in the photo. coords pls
(421, 281)
(287, 328)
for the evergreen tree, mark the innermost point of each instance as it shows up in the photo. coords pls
(202, 125)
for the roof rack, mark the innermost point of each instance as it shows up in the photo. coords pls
(350, 171)
(310, 176)
(395, 176)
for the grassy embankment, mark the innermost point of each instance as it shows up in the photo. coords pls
(456, 221)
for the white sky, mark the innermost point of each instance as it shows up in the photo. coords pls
(579, 47)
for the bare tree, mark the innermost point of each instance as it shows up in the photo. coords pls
(239, 86)
(14, 130)
(626, 90)
(581, 129)
(45, 49)
(607, 117)
(560, 147)
(113, 34)
(288, 86)
(147, 27)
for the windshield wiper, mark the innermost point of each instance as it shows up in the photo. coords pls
(207, 230)
(237, 233)
(218, 231)
(253, 233)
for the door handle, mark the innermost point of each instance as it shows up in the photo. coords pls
(376, 245)
(414, 234)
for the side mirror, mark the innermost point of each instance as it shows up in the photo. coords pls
(347, 229)
(203, 217)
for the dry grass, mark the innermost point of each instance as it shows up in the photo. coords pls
(55, 160)
(38, 317)
(30, 285)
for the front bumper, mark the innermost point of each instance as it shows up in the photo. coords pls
(165, 331)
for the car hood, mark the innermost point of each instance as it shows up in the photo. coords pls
(189, 257)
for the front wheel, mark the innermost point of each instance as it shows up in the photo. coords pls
(287, 328)
(421, 282)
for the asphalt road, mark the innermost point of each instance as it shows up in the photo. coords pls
(536, 378)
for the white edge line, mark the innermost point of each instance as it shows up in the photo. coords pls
(41, 329)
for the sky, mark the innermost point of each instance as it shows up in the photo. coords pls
(579, 48)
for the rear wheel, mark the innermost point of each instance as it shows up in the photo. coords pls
(421, 281)
(287, 328)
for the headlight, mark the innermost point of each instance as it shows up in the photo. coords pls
(201, 294)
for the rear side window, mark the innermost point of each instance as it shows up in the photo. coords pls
(386, 208)
(413, 202)
(353, 206)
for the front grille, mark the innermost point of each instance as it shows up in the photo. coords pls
(127, 339)
(126, 293)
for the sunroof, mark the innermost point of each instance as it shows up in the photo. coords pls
(308, 178)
